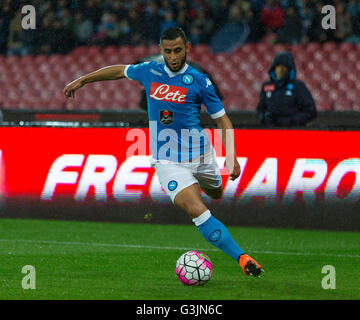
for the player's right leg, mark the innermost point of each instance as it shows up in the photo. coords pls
(190, 200)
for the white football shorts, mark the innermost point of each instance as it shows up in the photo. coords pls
(175, 176)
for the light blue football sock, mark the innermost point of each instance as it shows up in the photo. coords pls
(217, 234)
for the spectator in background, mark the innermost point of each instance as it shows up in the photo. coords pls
(66, 19)
(272, 16)
(256, 28)
(45, 35)
(59, 7)
(137, 27)
(183, 21)
(236, 14)
(221, 15)
(82, 29)
(119, 9)
(316, 33)
(205, 26)
(168, 21)
(256, 6)
(6, 15)
(353, 8)
(291, 32)
(103, 29)
(121, 35)
(285, 101)
(196, 36)
(16, 44)
(343, 23)
(307, 18)
(139, 22)
(92, 11)
(355, 36)
(164, 6)
(244, 6)
(152, 20)
(296, 4)
(61, 39)
(181, 5)
(46, 8)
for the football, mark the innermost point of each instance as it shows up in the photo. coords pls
(194, 268)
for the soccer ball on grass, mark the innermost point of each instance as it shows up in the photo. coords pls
(194, 268)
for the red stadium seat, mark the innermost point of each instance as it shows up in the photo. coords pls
(37, 81)
(329, 46)
(312, 47)
(343, 105)
(93, 51)
(346, 47)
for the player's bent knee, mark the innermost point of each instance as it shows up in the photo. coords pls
(192, 208)
(215, 194)
(218, 194)
(195, 209)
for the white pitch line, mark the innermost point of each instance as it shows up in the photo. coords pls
(134, 246)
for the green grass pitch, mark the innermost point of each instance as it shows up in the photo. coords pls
(91, 260)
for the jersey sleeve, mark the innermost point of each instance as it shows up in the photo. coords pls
(210, 99)
(136, 71)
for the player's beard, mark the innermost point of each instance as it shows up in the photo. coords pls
(181, 65)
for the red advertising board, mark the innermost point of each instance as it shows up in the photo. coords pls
(111, 165)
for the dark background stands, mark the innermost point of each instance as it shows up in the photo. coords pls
(63, 25)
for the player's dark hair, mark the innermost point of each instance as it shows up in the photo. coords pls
(173, 33)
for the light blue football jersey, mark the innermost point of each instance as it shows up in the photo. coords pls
(174, 104)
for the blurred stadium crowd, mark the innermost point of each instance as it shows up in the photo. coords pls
(65, 24)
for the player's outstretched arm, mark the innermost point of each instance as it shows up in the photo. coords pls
(107, 73)
(228, 140)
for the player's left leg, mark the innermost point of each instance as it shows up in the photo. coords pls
(208, 175)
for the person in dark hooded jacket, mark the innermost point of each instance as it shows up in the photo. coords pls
(285, 101)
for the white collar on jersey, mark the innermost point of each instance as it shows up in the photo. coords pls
(173, 74)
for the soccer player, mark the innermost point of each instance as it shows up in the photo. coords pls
(182, 154)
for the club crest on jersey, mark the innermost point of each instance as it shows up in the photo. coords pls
(187, 79)
(168, 93)
(166, 116)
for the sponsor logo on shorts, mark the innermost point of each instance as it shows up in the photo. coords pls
(172, 185)
(215, 236)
